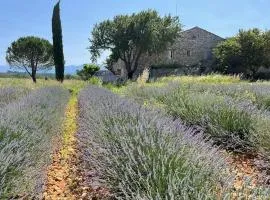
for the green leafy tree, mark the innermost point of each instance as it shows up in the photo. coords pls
(267, 48)
(30, 54)
(245, 53)
(252, 50)
(58, 53)
(128, 37)
(228, 54)
(88, 71)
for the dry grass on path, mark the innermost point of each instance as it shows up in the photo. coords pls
(61, 171)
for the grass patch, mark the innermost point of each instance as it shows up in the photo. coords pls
(213, 78)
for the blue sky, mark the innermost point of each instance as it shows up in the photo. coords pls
(33, 17)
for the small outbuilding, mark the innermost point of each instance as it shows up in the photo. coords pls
(106, 76)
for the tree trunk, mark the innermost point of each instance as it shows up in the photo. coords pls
(34, 75)
(131, 66)
(131, 70)
(128, 69)
(34, 79)
(130, 75)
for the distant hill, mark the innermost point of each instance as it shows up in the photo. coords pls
(4, 68)
(69, 69)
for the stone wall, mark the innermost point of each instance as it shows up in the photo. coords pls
(146, 61)
(168, 71)
(194, 46)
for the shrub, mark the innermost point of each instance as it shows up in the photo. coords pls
(223, 121)
(149, 92)
(95, 81)
(143, 78)
(257, 93)
(87, 71)
(28, 128)
(245, 53)
(262, 95)
(144, 154)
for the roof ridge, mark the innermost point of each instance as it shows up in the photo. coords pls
(197, 27)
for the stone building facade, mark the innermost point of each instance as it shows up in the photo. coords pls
(193, 47)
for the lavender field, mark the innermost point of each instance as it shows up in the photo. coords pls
(31, 119)
(174, 138)
(234, 115)
(29, 124)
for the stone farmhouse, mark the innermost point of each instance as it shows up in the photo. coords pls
(192, 50)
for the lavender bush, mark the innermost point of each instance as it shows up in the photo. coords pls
(246, 104)
(233, 115)
(27, 130)
(9, 94)
(144, 154)
(221, 119)
(151, 93)
(258, 93)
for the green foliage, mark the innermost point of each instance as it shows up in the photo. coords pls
(130, 36)
(228, 55)
(267, 47)
(88, 71)
(58, 53)
(225, 123)
(30, 54)
(252, 50)
(95, 81)
(244, 53)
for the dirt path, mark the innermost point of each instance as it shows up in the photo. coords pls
(244, 168)
(248, 176)
(62, 172)
(66, 177)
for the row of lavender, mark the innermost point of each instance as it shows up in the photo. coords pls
(28, 126)
(234, 115)
(9, 94)
(141, 153)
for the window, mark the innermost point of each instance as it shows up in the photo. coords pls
(171, 54)
(188, 53)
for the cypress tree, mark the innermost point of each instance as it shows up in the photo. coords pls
(58, 53)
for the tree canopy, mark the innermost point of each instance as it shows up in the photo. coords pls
(30, 54)
(88, 71)
(129, 36)
(58, 54)
(244, 53)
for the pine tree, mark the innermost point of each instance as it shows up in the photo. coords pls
(58, 53)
